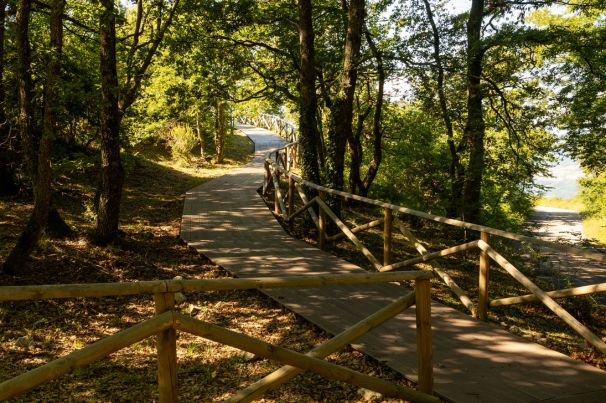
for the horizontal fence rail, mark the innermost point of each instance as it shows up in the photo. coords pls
(33, 292)
(168, 321)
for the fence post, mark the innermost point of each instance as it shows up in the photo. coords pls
(321, 224)
(167, 352)
(483, 280)
(424, 343)
(387, 236)
(276, 194)
(266, 178)
(291, 194)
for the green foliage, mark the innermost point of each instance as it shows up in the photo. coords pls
(593, 191)
(182, 140)
(413, 172)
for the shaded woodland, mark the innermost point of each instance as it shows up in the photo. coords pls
(111, 110)
(452, 112)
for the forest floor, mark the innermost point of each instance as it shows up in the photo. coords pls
(532, 321)
(33, 333)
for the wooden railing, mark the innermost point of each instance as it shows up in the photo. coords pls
(168, 321)
(282, 127)
(279, 165)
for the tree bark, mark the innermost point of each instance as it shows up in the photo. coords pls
(112, 172)
(37, 149)
(8, 182)
(356, 152)
(308, 100)
(474, 127)
(341, 124)
(199, 134)
(221, 131)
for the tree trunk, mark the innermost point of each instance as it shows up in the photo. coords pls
(341, 125)
(377, 130)
(199, 134)
(8, 182)
(37, 150)
(456, 171)
(221, 131)
(474, 127)
(308, 101)
(112, 172)
(356, 153)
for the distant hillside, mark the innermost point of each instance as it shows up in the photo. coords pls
(563, 184)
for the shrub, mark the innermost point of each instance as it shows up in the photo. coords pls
(182, 140)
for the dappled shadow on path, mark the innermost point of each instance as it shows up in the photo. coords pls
(473, 361)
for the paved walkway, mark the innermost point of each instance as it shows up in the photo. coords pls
(473, 361)
(560, 225)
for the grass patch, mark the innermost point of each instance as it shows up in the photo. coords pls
(568, 204)
(595, 230)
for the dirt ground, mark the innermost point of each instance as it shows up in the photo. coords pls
(35, 332)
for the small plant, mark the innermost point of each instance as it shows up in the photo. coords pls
(182, 140)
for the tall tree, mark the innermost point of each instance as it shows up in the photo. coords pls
(341, 119)
(112, 171)
(474, 127)
(8, 185)
(115, 103)
(308, 101)
(37, 147)
(456, 169)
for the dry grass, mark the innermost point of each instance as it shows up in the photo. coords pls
(32, 333)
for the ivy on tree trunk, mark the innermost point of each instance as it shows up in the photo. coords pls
(474, 127)
(308, 101)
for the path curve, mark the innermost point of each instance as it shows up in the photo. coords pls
(473, 361)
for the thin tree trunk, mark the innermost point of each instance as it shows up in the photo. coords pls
(199, 134)
(356, 153)
(38, 150)
(220, 137)
(456, 171)
(377, 130)
(308, 101)
(112, 172)
(474, 127)
(115, 105)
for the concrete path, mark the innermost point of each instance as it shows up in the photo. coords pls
(473, 361)
(560, 225)
(556, 224)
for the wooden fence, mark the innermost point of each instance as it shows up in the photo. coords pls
(282, 127)
(168, 321)
(280, 167)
